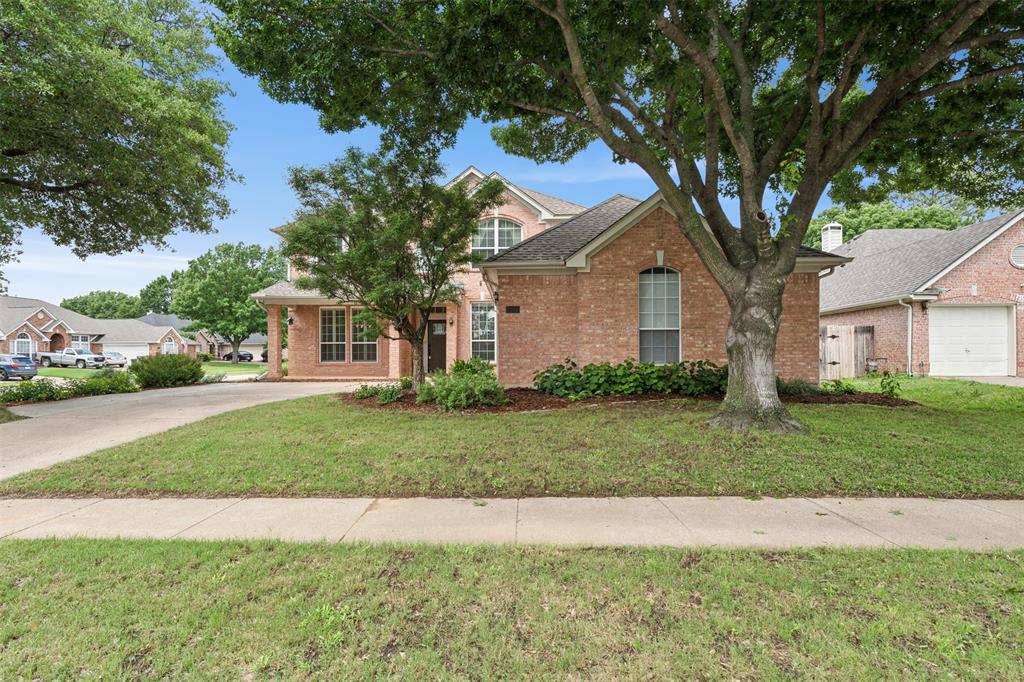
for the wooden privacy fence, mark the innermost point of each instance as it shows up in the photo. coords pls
(845, 350)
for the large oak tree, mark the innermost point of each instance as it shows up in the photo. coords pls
(112, 134)
(768, 102)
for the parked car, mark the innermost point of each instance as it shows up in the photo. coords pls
(72, 357)
(243, 356)
(115, 359)
(16, 367)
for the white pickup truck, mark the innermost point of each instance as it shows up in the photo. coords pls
(72, 357)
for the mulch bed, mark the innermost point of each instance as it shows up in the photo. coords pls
(531, 400)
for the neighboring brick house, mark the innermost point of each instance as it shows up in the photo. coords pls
(560, 281)
(945, 303)
(207, 341)
(29, 326)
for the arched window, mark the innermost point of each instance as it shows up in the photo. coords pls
(23, 344)
(170, 347)
(659, 316)
(494, 234)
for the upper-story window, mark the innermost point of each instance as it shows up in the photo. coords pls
(494, 234)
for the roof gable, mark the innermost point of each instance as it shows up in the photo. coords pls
(547, 205)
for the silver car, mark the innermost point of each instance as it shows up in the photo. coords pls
(114, 359)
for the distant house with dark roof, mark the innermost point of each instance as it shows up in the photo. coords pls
(942, 302)
(29, 326)
(558, 281)
(207, 341)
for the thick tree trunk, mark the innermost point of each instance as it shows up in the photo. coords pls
(235, 345)
(752, 398)
(418, 373)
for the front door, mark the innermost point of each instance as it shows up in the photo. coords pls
(436, 343)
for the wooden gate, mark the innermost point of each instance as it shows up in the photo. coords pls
(845, 350)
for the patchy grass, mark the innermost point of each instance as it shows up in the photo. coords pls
(964, 441)
(261, 610)
(8, 416)
(220, 367)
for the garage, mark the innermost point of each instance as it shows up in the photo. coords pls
(129, 350)
(969, 340)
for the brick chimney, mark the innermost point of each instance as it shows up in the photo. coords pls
(831, 236)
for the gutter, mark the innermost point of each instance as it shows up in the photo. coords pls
(910, 335)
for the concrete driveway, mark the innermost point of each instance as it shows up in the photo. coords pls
(67, 429)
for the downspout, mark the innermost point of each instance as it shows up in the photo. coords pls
(910, 335)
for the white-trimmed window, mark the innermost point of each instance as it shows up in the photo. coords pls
(494, 234)
(1017, 256)
(364, 346)
(332, 335)
(484, 334)
(659, 316)
(170, 345)
(23, 344)
(80, 341)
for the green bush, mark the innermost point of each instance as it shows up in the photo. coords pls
(389, 393)
(204, 357)
(891, 387)
(838, 387)
(459, 390)
(164, 371)
(796, 387)
(42, 390)
(692, 378)
(405, 383)
(366, 391)
(472, 366)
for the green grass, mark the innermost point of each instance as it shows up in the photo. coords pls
(965, 441)
(157, 609)
(220, 367)
(67, 372)
(8, 416)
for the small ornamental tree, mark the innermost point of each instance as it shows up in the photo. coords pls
(765, 102)
(381, 232)
(214, 292)
(105, 304)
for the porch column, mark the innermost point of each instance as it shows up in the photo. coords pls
(274, 342)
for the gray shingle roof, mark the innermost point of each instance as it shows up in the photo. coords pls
(556, 205)
(889, 264)
(180, 323)
(563, 240)
(286, 289)
(14, 310)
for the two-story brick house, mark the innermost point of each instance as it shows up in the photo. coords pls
(607, 283)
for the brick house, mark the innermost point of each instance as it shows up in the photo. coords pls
(29, 326)
(559, 281)
(944, 303)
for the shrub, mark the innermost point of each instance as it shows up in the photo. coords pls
(472, 366)
(469, 387)
(891, 387)
(796, 387)
(366, 391)
(692, 378)
(389, 393)
(204, 357)
(405, 383)
(838, 387)
(42, 390)
(164, 371)
(216, 378)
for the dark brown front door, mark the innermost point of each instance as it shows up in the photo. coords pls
(436, 342)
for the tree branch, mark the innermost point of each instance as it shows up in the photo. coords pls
(34, 186)
(964, 82)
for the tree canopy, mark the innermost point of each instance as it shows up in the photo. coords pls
(214, 291)
(381, 232)
(112, 133)
(711, 98)
(899, 213)
(156, 296)
(105, 304)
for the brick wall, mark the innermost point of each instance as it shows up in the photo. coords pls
(986, 278)
(304, 350)
(593, 316)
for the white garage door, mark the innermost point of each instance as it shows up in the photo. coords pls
(129, 350)
(968, 340)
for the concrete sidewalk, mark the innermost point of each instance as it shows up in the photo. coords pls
(671, 521)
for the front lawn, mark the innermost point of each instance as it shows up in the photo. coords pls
(158, 609)
(964, 441)
(67, 372)
(221, 367)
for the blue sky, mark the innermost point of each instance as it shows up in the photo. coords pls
(268, 139)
